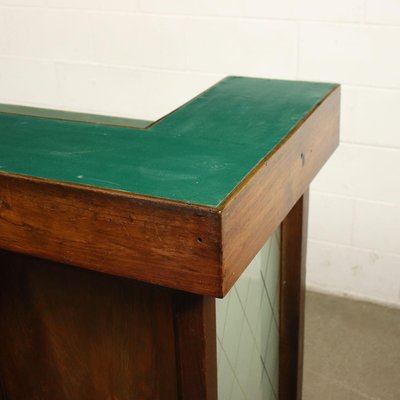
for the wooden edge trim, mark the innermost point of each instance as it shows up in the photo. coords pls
(156, 241)
(292, 300)
(108, 192)
(263, 200)
(196, 346)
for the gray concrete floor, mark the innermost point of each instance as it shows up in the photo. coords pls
(352, 350)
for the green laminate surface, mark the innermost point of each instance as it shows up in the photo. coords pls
(197, 154)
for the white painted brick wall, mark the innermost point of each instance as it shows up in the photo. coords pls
(221, 8)
(143, 58)
(309, 10)
(383, 11)
(350, 53)
(371, 116)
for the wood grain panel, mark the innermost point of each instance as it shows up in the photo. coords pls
(3, 395)
(160, 242)
(70, 334)
(260, 204)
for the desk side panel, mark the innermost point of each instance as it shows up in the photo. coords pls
(71, 334)
(164, 243)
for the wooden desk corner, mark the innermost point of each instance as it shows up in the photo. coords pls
(117, 235)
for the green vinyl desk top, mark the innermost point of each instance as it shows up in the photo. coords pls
(197, 154)
(185, 202)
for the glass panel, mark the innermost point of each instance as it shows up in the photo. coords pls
(248, 330)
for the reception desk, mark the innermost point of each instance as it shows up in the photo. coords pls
(160, 260)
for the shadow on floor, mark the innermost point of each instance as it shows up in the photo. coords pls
(352, 350)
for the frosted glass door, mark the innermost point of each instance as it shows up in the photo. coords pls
(248, 330)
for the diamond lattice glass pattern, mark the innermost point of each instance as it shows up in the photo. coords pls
(248, 330)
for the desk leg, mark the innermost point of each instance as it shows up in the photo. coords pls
(195, 342)
(293, 256)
